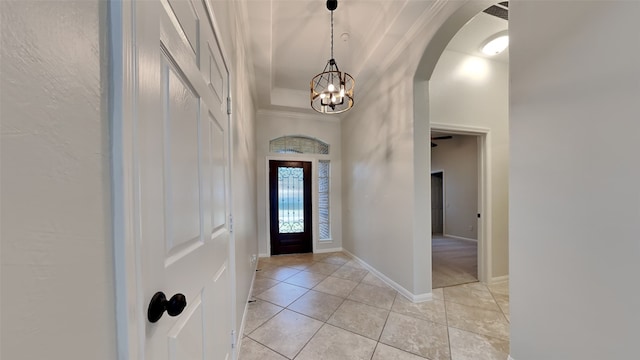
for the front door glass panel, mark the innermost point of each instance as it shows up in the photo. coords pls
(290, 200)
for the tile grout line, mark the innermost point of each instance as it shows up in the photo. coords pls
(384, 326)
(500, 307)
(446, 319)
(466, 330)
(308, 341)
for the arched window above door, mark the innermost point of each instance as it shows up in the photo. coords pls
(298, 145)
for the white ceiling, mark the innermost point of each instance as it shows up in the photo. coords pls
(290, 41)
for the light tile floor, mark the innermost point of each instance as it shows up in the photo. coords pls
(328, 307)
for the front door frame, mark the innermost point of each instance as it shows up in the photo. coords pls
(307, 205)
(314, 195)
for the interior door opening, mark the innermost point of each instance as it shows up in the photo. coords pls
(290, 207)
(455, 200)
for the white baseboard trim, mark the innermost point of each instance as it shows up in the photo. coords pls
(320, 251)
(399, 288)
(420, 297)
(498, 279)
(240, 333)
(317, 251)
(460, 238)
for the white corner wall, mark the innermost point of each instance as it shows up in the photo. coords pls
(378, 178)
(470, 91)
(58, 295)
(386, 161)
(457, 158)
(274, 124)
(574, 179)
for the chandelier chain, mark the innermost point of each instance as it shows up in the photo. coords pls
(332, 34)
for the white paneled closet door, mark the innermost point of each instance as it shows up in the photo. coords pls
(182, 161)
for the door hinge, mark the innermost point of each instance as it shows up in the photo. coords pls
(233, 339)
(230, 223)
(228, 105)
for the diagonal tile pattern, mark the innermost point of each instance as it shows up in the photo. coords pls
(416, 336)
(331, 343)
(328, 306)
(360, 318)
(287, 332)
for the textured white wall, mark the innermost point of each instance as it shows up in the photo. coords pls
(472, 91)
(272, 125)
(575, 200)
(458, 158)
(57, 258)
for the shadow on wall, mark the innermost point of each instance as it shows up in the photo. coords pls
(390, 133)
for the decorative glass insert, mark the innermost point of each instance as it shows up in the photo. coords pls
(298, 145)
(290, 200)
(324, 171)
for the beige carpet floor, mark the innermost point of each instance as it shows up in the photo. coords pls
(454, 261)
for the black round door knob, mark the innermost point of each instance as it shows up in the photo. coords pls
(159, 304)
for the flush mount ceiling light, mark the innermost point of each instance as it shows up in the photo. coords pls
(332, 90)
(496, 44)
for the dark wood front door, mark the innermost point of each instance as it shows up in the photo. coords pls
(290, 206)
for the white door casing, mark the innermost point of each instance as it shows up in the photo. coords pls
(177, 166)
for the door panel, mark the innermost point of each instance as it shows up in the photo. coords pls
(187, 21)
(217, 163)
(182, 114)
(218, 309)
(214, 72)
(182, 154)
(186, 338)
(290, 207)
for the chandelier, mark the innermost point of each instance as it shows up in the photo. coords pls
(332, 90)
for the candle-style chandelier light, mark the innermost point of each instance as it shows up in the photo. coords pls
(332, 90)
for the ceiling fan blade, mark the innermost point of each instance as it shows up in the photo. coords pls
(442, 137)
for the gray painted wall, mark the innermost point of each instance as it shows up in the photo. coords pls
(574, 175)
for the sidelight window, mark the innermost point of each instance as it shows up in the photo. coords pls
(324, 172)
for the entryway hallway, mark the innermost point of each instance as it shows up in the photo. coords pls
(329, 307)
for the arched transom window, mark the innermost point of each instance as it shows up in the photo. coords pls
(298, 145)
